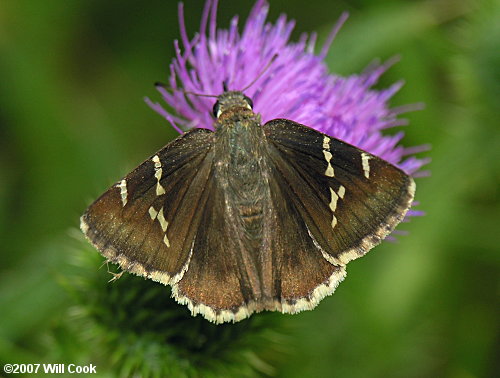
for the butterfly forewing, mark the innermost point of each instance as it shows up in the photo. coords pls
(147, 221)
(349, 199)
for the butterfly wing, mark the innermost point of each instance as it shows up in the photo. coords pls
(295, 273)
(234, 272)
(146, 222)
(349, 199)
(169, 220)
(217, 283)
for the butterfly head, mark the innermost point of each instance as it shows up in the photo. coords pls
(231, 100)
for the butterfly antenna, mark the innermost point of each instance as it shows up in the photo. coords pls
(224, 83)
(261, 73)
(166, 87)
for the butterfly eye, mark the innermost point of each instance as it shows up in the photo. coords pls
(249, 101)
(216, 109)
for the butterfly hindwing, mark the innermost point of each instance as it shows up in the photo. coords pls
(229, 277)
(146, 222)
(216, 284)
(300, 274)
(349, 199)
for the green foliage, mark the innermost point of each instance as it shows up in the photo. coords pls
(73, 74)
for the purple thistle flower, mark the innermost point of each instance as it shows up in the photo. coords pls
(296, 86)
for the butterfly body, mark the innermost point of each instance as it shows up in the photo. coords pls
(241, 175)
(249, 217)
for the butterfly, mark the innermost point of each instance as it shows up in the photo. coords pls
(249, 217)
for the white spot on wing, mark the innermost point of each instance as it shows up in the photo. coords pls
(163, 222)
(123, 191)
(366, 165)
(328, 157)
(333, 202)
(158, 173)
(157, 161)
(83, 225)
(153, 213)
(341, 191)
(166, 241)
(326, 143)
(161, 219)
(159, 189)
(334, 221)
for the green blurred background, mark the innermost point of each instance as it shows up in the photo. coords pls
(73, 75)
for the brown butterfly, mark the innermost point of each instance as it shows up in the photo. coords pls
(249, 217)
